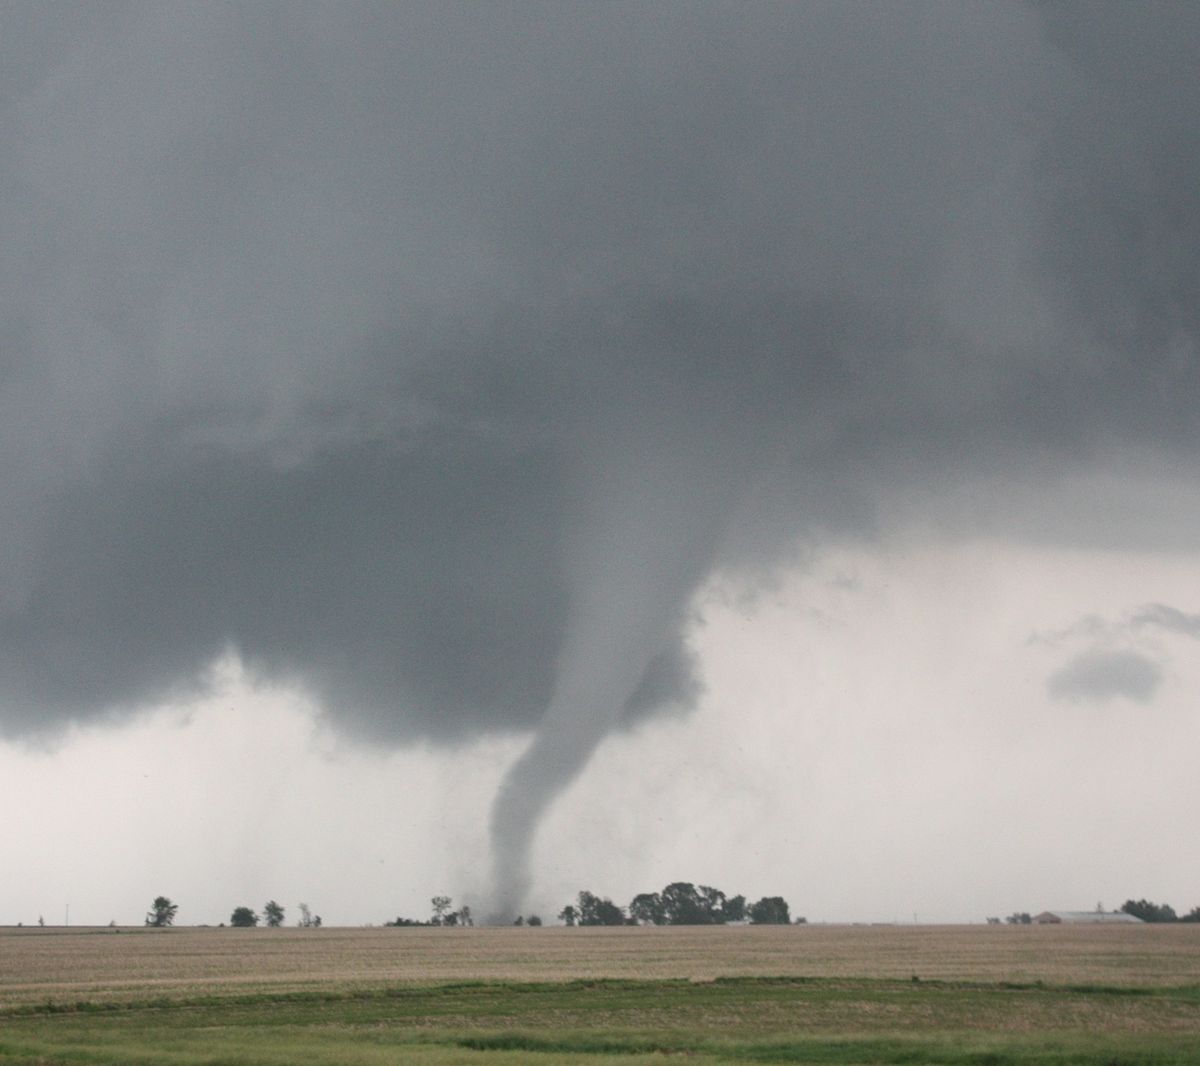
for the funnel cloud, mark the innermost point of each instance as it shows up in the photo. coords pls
(432, 356)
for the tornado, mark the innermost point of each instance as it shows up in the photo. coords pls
(645, 538)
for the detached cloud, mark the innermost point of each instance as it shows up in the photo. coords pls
(1099, 676)
(1115, 662)
(1132, 626)
(1169, 618)
(1090, 627)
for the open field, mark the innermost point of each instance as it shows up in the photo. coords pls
(37, 965)
(982, 995)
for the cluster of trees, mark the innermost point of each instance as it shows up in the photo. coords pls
(442, 915)
(245, 918)
(162, 914)
(680, 903)
(1158, 912)
(1139, 908)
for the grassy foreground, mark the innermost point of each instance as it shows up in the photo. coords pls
(126, 1011)
(746, 1020)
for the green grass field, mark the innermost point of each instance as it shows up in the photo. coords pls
(131, 1002)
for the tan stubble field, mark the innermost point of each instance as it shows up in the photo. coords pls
(44, 965)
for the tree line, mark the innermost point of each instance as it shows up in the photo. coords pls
(680, 903)
(1158, 912)
(163, 910)
(1139, 908)
(442, 915)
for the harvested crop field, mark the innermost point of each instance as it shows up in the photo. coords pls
(66, 964)
(1052, 996)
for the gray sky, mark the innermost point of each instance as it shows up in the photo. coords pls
(501, 393)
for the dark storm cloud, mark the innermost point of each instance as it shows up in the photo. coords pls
(1099, 676)
(320, 571)
(1125, 233)
(431, 355)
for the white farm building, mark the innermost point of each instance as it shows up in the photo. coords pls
(1086, 918)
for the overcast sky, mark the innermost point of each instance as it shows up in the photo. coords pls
(505, 449)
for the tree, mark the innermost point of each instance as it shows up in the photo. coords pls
(243, 918)
(587, 907)
(1019, 918)
(734, 909)
(308, 920)
(647, 908)
(161, 913)
(273, 913)
(770, 910)
(464, 915)
(1192, 916)
(1150, 912)
(533, 920)
(568, 915)
(712, 904)
(440, 904)
(610, 914)
(596, 911)
(684, 905)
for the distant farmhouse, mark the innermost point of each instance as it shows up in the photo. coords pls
(1086, 918)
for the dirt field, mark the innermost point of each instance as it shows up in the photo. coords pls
(67, 965)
